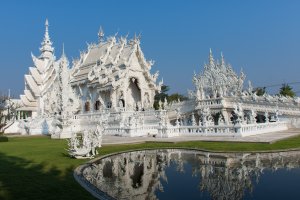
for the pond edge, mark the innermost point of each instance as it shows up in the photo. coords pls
(99, 194)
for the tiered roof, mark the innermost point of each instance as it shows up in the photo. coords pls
(108, 61)
(41, 75)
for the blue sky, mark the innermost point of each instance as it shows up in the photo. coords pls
(262, 37)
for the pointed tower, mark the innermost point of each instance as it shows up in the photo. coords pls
(100, 35)
(40, 78)
(46, 48)
(65, 91)
(211, 58)
(222, 59)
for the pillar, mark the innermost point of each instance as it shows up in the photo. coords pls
(267, 117)
(226, 116)
(142, 99)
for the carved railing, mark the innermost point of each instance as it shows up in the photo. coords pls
(222, 130)
(216, 130)
(150, 126)
(91, 115)
(132, 130)
(252, 129)
(210, 102)
(260, 105)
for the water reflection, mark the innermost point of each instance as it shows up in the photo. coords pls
(144, 174)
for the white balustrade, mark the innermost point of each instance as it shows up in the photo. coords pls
(152, 127)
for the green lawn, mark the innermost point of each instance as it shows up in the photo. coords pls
(39, 168)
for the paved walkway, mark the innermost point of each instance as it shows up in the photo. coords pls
(264, 138)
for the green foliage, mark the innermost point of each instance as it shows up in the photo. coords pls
(164, 95)
(260, 91)
(287, 91)
(176, 96)
(3, 138)
(161, 96)
(8, 107)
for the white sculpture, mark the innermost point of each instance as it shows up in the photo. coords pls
(250, 87)
(253, 117)
(238, 114)
(206, 117)
(91, 139)
(165, 103)
(163, 118)
(160, 105)
(178, 116)
(57, 125)
(221, 120)
(193, 120)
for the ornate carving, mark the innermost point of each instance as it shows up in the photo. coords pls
(91, 139)
(217, 80)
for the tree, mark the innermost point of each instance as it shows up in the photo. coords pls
(3, 108)
(160, 96)
(8, 109)
(260, 91)
(164, 95)
(287, 91)
(176, 97)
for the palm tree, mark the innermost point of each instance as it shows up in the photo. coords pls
(287, 91)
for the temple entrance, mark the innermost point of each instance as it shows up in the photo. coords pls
(260, 118)
(87, 106)
(133, 95)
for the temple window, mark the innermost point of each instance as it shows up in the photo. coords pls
(87, 106)
(122, 66)
(121, 103)
(97, 105)
(98, 62)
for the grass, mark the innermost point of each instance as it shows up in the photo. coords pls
(3, 138)
(39, 168)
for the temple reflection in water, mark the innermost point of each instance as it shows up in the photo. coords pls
(142, 174)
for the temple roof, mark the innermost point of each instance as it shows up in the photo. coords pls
(26, 102)
(109, 58)
(29, 95)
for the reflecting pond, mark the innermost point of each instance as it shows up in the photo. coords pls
(188, 174)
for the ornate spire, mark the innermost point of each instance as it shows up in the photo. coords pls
(211, 58)
(46, 49)
(100, 35)
(63, 54)
(63, 49)
(46, 25)
(222, 59)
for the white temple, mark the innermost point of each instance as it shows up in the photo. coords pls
(114, 74)
(112, 82)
